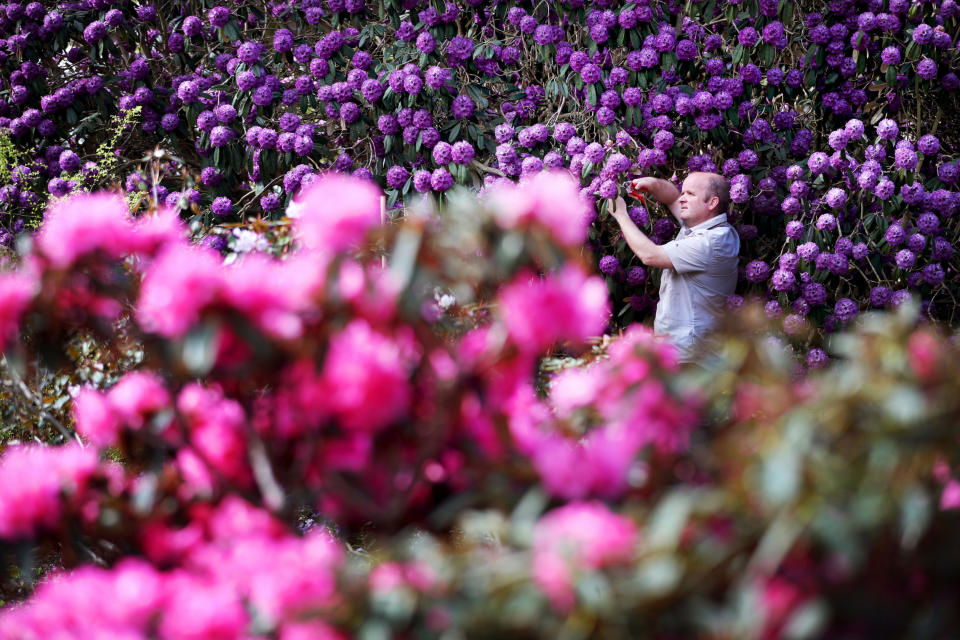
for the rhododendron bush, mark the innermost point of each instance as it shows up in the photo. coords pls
(357, 440)
(833, 121)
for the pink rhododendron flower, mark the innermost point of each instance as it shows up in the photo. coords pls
(923, 354)
(567, 305)
(628, 407)
(236, 518)
(67, 234)
(597, 465)
(573, 389)
(138, 394)
(200, 609)
(371, 291)
(153, 232)
(16, 292)
(950, 498)
(33, 479)
(386, 577)
(336, 211)
(779, 598)
(184, 281)
(580, 535)
(166, 545)
(252, 287)
(367, 376)
(176, 288)
(313, 630)
(90, 602)
(281, 577)
(480, 427)
(216, 426)
(299, 405)
(85, 223)
(95, 419)
(99, 416)
(550, 199)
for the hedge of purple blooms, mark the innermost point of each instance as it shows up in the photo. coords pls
(824, 121)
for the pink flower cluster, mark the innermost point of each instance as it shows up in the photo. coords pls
(88, 223)
(367, 375)
(35, 482)
(551, 200)
(539, 312)
(619, 405)
(16, 292)
(577, 537)
(130, 403)
(242, 577)
(185, 282)
(217, 445)
(335, 212)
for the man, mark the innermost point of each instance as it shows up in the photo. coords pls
(699, 266)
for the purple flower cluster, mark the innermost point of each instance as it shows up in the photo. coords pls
(875, 193)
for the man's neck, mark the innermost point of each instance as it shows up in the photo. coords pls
(693, 224)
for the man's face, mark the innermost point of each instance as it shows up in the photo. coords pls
(694, 201)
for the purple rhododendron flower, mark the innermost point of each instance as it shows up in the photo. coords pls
(757, 271)
(609, 265)
(845, 309)
(441, 180)
(817, 358)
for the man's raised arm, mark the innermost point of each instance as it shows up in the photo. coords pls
(662, 191)
(650, 254)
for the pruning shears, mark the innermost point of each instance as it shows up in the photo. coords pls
(637, 194)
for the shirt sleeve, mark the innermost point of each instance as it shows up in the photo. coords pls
(689, 254)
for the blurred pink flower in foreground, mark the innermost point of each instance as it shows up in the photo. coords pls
(578, 536)
(566, 305)
(243, 566)
(99, 416)
(367, 374)
(336, 211)
(551, 199)
(185, 281)
(16, 292)
(33, 479)
(620, 404)
(85, 223)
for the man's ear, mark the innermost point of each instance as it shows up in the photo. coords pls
(713, 203)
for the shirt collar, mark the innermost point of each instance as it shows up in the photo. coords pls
(711, 222)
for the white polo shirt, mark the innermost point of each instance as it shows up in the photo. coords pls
(694, 293)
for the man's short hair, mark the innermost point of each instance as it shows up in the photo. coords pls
(718, 186)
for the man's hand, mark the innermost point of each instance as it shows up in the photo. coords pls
(617, 208)
(644, 184)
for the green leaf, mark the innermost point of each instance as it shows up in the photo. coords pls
(911, 52)
(737, 54)
(231, 32)
(454, 132)
(786, 12)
